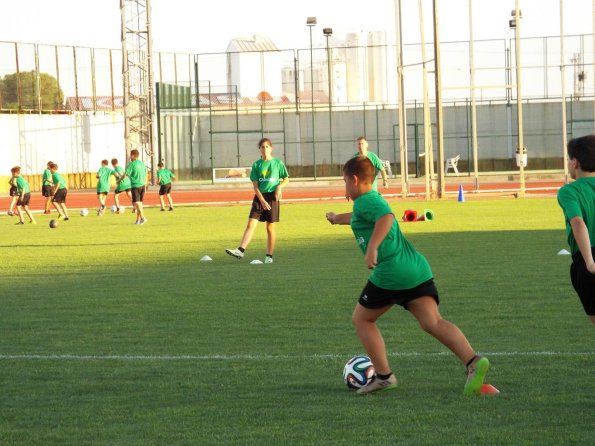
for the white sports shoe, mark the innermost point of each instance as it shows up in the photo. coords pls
(268, 259)
(235, 253)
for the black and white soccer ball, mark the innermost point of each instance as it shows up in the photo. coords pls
(358, 372)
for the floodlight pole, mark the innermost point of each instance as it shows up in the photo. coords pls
(439, 117)
(329, 32)
(473, 104)
(519, 99)
(563, 87)
(310, 22)
(402, 110)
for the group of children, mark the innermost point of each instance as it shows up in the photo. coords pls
(131, 181)
(53, 188)
(400, 274)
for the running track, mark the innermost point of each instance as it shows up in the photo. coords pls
(294, 192)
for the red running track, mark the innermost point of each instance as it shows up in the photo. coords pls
(299, 191)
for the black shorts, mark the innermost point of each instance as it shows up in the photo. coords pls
(257, 212)
(14, 192)
(25, 200)
(375, 297)
(138, 193)
(60, 195)
(165, 189)
(583, 282)
(120, 191)
(47, 190)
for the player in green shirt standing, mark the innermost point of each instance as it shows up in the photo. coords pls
(400, 275)
(362, 150)
(577, 200)
(60, 192)
(123, 184)
(103, 185)
(24, 196)
(47, 187)
(165, 176)
(269, 176)
(137, 172)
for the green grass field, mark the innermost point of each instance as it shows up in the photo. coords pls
(115, 334)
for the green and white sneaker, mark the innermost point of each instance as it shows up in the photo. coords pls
(268, 259)
(379, 385)
(476, 373)
(235, 253)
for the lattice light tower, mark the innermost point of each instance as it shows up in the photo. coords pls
(137, 73)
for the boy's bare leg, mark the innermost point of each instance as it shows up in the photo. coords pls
(162, 201)
(364, 320)
(248, 233)
(139, 209)
(425, 310)
(29, 214)
(170, 201)
(271, 238)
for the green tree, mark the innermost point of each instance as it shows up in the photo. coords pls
(44, 87)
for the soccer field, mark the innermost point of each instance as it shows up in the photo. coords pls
(116, 334)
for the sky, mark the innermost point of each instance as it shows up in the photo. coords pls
(199, 26)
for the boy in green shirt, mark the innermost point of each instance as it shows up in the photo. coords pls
(400, 275)
(269, 176)
(24, 196)
(137, 172)
(60, 192)
(577, 200)
(362, 150)
(123, 184)
(165, 176)
(14, 195)
(47, 188)
(103, 185)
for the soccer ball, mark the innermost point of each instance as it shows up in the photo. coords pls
(114, 208)
(84, 212)
(53, 224)
(358, 372)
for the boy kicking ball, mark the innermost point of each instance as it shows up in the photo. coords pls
(401, 276)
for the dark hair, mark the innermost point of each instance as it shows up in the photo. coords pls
(15, 169)
(361, 167)
(160, 165)
(49, 163)
(134, 152)
(104, 163)
(583, 150)
(53, 166)
(263, 140)
(114, 161)
(362, 138)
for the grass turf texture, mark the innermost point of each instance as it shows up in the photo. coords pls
(117, 334)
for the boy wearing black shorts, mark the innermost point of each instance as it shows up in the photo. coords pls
(577, 200)
(137, 172)
(60, 192)
(123, 184)
(165, 177)
(24, 196)
(400, 276)
(269, 176)
(13, 193)
(47, 187)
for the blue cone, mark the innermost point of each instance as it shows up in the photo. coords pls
(461, 194)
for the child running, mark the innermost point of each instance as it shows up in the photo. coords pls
(401, 276)
(269, 176)
(123, 184)
(47, 187)
(577, 200)
(60, 192)
(24, 196)
(103, 185)
(165, 177)
(137, 172)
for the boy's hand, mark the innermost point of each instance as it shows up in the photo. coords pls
(591, 267)
(371, 258)
(331, 217)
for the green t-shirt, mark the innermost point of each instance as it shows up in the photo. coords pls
(378, 166)
(57, 178)
(165, 176)
(22, 186)
(268, 173)
(103, 177)
(400, 266)
(118, 172)
(137, 171)
(47, 178)
(577, 199)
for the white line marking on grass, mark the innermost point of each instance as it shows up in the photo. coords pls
(48, 357)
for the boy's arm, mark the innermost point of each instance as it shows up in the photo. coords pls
(339, 219)
(581, 235)
(280, 186)
(381, 228)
